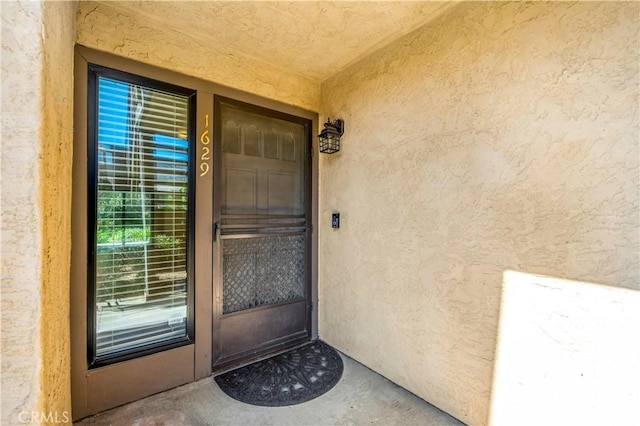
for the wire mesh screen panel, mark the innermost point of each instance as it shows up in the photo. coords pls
(141, 217)
(262, 271)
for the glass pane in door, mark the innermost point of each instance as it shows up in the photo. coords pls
(141, 218)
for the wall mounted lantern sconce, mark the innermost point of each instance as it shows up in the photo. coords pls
(330, 136)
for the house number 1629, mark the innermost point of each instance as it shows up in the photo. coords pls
(204, 140)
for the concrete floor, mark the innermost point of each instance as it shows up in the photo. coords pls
(361, 397)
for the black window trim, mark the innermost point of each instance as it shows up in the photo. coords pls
(94, 72)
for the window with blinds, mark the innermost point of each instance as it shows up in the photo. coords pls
(141, 161)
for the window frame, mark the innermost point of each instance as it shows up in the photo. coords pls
(96, 71)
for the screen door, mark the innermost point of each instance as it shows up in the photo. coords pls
(261, 230)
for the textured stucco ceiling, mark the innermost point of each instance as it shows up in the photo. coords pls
(312, 38)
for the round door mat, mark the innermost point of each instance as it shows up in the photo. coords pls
(290, 378)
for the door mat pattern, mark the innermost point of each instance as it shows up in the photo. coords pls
(290, 378)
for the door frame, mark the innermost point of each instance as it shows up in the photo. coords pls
(98, 389)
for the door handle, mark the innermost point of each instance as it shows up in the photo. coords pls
(216, 231)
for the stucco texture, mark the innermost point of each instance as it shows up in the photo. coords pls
(311, 38)
(501, 136)
(55, 191)
(138, 37)
(37, 49)
(21, 221)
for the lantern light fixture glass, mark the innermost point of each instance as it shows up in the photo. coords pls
(329, 137)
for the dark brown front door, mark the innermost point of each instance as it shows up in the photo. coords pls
(262, 232)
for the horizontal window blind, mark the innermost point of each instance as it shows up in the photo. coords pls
(141, 217)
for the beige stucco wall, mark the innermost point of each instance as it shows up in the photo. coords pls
(37, 53)
(106, 28)
(55, 190)
(499, 137)
(21, 220)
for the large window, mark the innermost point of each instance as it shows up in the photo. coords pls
(141, 190)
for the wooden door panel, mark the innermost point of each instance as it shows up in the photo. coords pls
(274, 325)
(281, 187)
(240, 192)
